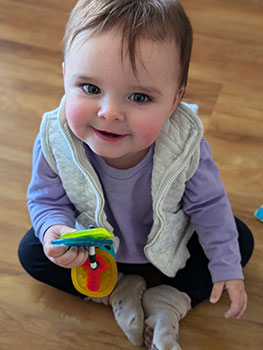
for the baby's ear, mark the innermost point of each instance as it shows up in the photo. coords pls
(178, 97)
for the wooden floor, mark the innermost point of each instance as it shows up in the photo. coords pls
(226, 80)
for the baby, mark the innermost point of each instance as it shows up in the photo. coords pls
(124, 153)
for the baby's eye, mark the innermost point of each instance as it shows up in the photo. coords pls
(91, 89)
(139, 98)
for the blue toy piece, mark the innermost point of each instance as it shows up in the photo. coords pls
(259, 213)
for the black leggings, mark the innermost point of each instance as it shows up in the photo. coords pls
(194, 279)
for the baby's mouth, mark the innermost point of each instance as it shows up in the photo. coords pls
(109, 134)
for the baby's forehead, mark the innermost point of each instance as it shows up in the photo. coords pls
(157, 19)
(146, 50)
(154, 60)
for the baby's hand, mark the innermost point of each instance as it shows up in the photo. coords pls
(237, 296)
(62, 255)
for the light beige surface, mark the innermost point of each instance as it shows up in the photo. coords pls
(226, 80)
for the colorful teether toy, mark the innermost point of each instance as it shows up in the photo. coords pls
(98, 275)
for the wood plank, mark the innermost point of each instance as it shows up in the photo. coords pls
(225, 81)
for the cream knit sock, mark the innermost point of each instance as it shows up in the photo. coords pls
(104, 300)
(126, 302)
(164, 307)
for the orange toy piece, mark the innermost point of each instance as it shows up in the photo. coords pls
(97, 282)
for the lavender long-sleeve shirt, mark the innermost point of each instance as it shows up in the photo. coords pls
(128, 206)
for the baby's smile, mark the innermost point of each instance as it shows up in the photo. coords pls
(108, 136)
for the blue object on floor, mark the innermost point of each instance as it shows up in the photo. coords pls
(259, 213)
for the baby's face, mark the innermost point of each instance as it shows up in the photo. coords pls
(116, 112)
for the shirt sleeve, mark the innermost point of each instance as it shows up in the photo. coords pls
(206, 202)
(48, 203)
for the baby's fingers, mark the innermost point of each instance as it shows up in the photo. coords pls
(66, 259)
(53, 252)
(75, 256)
(217, 291)
(79, 259)
(238, 316)
(54, 232)
(238, 304)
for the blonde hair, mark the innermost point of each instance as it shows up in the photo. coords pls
(158, 20)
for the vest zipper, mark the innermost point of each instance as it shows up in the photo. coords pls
(97, 191)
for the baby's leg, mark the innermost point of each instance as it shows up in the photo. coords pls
(35, 262)
(164, 307)
(126, 302)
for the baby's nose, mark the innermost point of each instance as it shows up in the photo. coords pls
(110, 109)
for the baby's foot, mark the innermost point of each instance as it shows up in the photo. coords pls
(148, 339)
(149, 342)
(160, 338)
(164, 307)
(126, 302)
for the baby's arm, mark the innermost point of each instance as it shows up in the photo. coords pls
(51, 212)
(237, 295)
(48, 203)
(206, 202)
(62, 255)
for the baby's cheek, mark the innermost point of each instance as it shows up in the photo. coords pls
(76, 118)
(149, 132)
(74, 113)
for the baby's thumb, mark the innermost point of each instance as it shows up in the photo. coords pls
(217, 291)
(66, 229)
